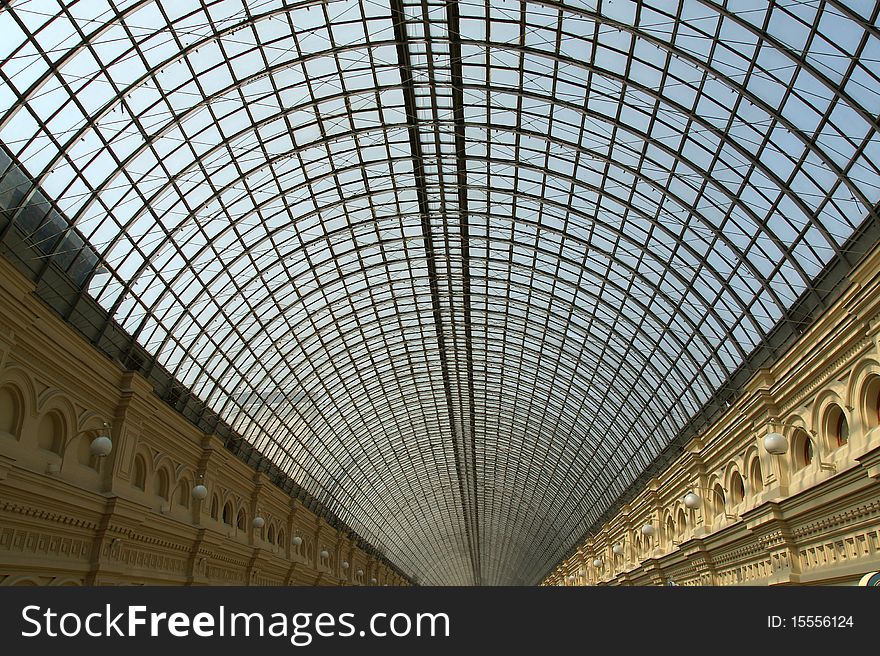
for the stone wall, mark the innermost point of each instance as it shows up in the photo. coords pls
(70, 518)
(811, 515)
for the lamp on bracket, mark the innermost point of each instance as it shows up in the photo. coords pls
(775, 443)
(199, 491)
(693, 501)
(100, 446)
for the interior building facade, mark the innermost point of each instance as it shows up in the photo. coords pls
(425, 292)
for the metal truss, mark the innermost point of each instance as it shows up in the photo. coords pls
(464, 273)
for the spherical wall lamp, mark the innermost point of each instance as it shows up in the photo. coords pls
(101, 446)
(775, 444)
(360, 572)
(200, 492)
(259, 522)
(648, 530)
(692, 500)
(617, 549)
(597, 563)
(571, 578)
(373, 580)
(344, 564)
(296, 541)
(325, 553)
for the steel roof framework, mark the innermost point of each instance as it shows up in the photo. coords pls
(462, 270)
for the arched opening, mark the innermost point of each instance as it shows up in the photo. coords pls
(139, 478)
(802, 450)
(871, 402)
(270, 534)
(281, 541)
(183, 494)
(227, 513)
(755, 476)
(50, 433)
(215, 507)
(10, 412)
(718, 498)
(836, 427)
(681, 523)
(737, 489)
(161, 484)
(670, 531)
(807, 452)
(241, 521)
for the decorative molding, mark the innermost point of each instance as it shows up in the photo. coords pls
(42, 513)
(798, 513)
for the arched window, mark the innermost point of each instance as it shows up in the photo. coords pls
(50, 433)
(807, 452)
(10, 412)
(184, 494)
(718, 497)
(161, 483)
(870, 401)
(737, 489)
(215, 507)
(802, 450)
(874, 398)
(270, 534)
(241, 522)
(670, 530)
(227, 513)
(681, 524)
(139, 477)
(842, 430)
(755, 476)
(280, 540)
(836, 427)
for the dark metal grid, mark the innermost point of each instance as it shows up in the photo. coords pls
(450, 265)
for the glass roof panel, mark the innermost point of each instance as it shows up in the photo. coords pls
(463, 270)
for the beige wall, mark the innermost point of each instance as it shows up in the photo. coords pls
(797, 522)
(69, 518)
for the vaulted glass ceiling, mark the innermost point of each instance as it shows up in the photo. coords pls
(461, 269)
